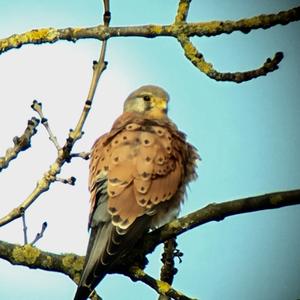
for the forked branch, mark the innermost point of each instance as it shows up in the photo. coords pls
(64, 153)
(20, 143)
(72, 264)
(218, 212)
(180, 29)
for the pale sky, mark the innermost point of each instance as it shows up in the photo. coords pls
(247, 135)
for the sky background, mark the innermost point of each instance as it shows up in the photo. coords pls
(247, 135)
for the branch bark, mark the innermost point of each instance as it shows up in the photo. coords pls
(163, 288)
(64, 153)
(180, 29)
(101, 32)
(72, 264)
(218, 212)
(20, 143)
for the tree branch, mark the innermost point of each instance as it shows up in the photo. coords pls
(72, 264)
(181, 30)
(37, 107)
(168, 269)
(33, 258)
(162, 287)
(182, 11)
(20, 143)
(64, 153)
(218, 212)
(197, 59)
(101, 32)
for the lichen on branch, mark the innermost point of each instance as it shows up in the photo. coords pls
(64, 153)
(72, 264)
(180, 30)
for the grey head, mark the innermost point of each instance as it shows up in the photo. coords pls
(147, 99)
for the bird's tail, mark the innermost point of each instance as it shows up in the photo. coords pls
(82, 293)
(96, 246)
(106, 247)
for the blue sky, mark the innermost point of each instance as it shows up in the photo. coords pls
(247, 135)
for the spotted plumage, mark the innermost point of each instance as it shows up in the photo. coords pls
(138, 175)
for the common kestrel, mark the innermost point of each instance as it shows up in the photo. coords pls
(138, 176)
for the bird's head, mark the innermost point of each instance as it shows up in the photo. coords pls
(150, 100)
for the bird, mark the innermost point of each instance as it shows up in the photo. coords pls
(138, 176)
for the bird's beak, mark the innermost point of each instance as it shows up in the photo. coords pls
(160, 103)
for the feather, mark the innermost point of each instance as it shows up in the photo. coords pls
(138, 176)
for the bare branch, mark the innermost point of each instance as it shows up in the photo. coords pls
(40, 234)
(218, 212)
(20, 143)
(33, 258)
(83, 155)
(64, 153)
(101, 32)
(197, 59)
(37, 106)
(181, 30)
(24, 227)
(168, 269)
(71, 180)
(182, 11)
(163, 288)
(72, 264)
(107, 14)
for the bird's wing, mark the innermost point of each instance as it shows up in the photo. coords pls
(135, 170)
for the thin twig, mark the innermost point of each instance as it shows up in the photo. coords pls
(64, 153)
(40, 234)
(24, 228)
(37, 106)
(71, 180)
(162, 288)
(107, 14)
(20, 143)
(98, 67)
(83, 155)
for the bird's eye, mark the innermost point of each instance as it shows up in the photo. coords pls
(146, 98)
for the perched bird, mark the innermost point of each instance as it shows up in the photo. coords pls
(138, 175)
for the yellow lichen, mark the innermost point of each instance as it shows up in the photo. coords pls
(47, 263)
(181, 11)
(137, 271)
(70, 261)
(26, 253)
(47, 34)
(156, 29)
(190, 50)
(54, 168)
(163, 287)
(204, 66)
